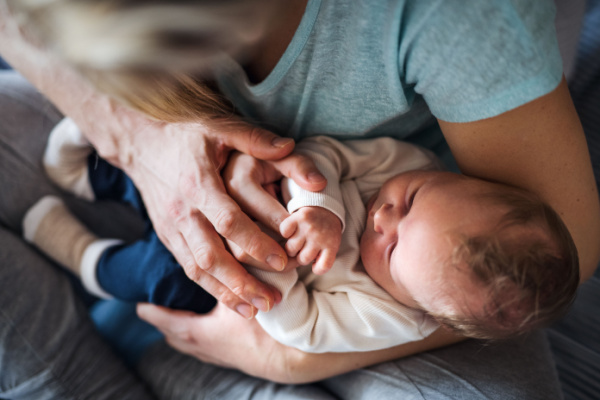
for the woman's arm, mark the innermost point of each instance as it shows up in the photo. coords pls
(258, 354)
(540, 147)
(176, 168)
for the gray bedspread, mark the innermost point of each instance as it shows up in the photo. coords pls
(575, 340)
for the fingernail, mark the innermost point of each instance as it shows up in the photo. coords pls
(245, 310)
(276, 262)
(262, 304)
(281, 142)
(315, 177)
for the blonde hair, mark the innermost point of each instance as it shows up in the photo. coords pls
(155, 56)
(528, 267)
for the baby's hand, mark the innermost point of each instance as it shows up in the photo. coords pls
(314, 235)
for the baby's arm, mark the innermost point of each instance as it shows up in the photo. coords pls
(344, 310)
(313, 233)
(316, 222)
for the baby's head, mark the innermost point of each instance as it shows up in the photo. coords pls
(483, 259)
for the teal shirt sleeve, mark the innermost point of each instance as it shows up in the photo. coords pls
(480, 58)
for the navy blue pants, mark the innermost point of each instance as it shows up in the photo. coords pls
(142, 271)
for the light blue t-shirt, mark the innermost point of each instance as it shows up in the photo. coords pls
(365, 68)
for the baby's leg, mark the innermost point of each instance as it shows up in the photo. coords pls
(143, 271)
(72, 164)
(146, 271)
(66, 159)
(49, 348)
(110, 183)
(53, 229)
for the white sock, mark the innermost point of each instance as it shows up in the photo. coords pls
(35, 214)
(51, 227)
(65, 159)
(89, 266)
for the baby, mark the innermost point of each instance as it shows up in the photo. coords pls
(415, 248)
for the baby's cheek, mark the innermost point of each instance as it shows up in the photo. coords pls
(405, 282)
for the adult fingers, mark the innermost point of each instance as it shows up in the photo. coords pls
(168, 321)
(260, 204)
(232, 285)
(195, 334)
(229, 221)
(301, 170)
(177, 326)
(265, 145)
(257, 142)
(181, 328)
(245, 258)
(251, 183)
(211, 256)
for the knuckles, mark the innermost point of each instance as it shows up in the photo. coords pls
(228, 298)
(176, 209)
(190, 184)
(237, 287)
(255, 139)
(186, 336)
(254, 245)
(307, 214)
(225, 222)
(205, 257)
(193, 271)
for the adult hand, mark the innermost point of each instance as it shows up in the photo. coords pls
(177, 167)
(254, 352)
(250, 349)
(253, 183)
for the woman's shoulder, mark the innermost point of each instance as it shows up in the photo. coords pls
(472, 60)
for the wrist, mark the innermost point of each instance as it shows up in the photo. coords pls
(99, 117)
(292, 367)
(327, 214)
(112, 128)
(315, 200)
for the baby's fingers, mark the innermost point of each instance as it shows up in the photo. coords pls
(288, 227)
(294, 245)
(324, 262)
(308, 254)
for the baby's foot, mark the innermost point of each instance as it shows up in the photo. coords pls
(66, 159)
(51, 227)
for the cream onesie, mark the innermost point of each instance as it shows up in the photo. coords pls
(345, 310)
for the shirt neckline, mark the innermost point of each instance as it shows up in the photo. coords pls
(291, 52)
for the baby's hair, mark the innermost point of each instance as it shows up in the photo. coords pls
(528, 267)
(155, 56)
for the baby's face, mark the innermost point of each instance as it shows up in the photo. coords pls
(412, 227)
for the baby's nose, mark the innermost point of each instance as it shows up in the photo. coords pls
(384, 218)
